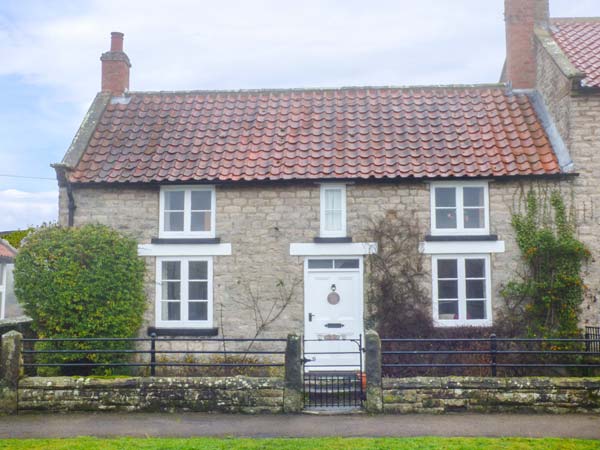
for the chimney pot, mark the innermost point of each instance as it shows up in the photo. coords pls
(116, 41)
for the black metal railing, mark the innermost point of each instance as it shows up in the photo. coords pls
(84, 354)
(592, 336)
(492, 356)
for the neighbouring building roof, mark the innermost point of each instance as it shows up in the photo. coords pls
(579, 39)
(310, 134)
(7, 252)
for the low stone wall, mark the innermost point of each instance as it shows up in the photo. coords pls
(8, 399)
(227, 394)
(474, 394)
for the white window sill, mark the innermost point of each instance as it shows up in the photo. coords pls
(461, 323)
(460, 247)
(460, 232)
(341, 249)
(189, 325)
(184, 250)
(181, 235)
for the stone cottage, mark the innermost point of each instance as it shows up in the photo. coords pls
(255, 197)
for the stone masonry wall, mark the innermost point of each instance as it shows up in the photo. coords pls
(230, 395)
(584, 142)
(260, 222)
(555, 88)
(577, 117)
(485, 395)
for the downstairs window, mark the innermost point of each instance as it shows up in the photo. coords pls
(461, 290)
(184, 292)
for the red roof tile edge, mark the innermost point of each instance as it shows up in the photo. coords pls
(579, 40)
(7, 251)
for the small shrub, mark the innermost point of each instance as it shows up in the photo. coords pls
(80, 283)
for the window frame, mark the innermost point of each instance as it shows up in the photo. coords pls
(460, 208)
(462, 321)
(3, 279)
(332, 187)
(187, 212)
(183, 323)
(308, 259)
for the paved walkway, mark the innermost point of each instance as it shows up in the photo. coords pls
(304, 425)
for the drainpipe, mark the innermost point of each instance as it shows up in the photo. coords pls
(72, 207)
(63, 181)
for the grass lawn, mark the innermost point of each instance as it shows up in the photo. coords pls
(288, 444)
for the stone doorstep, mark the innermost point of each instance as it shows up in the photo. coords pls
(330, 411)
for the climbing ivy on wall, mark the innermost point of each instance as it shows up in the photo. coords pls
(546, 301)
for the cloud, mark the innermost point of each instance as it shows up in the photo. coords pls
(50, 52)
(238, 44)
(20, 209)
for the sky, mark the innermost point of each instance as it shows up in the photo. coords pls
(50, 69)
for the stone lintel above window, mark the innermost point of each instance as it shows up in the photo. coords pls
(176, 249)
(461, 246)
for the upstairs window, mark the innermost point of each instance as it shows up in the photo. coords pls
(187, 212)
(459, 208)
(333, 210)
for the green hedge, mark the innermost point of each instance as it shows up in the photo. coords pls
(80, 282)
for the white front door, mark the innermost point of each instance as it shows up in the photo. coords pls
(333, 313)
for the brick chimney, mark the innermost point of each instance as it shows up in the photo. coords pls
(115, 67)
(521, 16)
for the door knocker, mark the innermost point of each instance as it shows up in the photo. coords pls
(333, 298)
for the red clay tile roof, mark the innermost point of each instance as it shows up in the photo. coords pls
(580, 40)
(347, 133)
(7, 253)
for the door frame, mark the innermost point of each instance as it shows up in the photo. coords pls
(361, 297)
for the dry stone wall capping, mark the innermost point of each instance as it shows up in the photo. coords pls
(483, 395)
